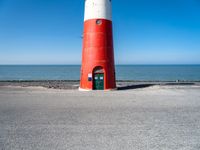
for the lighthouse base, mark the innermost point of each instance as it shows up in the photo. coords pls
(88, 90)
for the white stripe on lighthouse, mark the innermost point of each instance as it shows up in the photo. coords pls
(95, 9)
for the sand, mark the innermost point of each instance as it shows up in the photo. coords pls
(153, 117)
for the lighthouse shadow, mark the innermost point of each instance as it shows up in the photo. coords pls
(135, 86)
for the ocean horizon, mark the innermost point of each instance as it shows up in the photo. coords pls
(123, 72)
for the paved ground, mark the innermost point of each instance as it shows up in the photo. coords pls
(152, 118)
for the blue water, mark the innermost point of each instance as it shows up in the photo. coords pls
(123, 72)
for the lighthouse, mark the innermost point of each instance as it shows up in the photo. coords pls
(98, 69)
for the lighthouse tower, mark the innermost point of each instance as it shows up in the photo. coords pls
(98, 69)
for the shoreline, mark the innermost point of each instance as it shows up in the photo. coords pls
(74, 84)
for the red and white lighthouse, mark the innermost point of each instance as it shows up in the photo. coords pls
(98, 69)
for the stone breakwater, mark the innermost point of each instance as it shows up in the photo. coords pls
(74, 84)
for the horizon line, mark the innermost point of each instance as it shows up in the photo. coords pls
(80, 64)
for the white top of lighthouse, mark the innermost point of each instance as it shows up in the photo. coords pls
(96, 9)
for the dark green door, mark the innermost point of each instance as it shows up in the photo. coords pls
(99, 81)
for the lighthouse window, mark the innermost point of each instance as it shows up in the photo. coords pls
(99, 22)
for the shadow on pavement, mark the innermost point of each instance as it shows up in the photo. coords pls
(129, 87)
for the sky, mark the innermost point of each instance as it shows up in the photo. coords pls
(145, 31)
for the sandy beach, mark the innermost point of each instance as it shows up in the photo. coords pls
(141, 116)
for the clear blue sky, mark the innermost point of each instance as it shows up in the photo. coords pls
(145, 31)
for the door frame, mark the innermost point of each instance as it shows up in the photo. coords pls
(98, 70)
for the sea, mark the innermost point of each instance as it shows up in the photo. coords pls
(123, 72)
